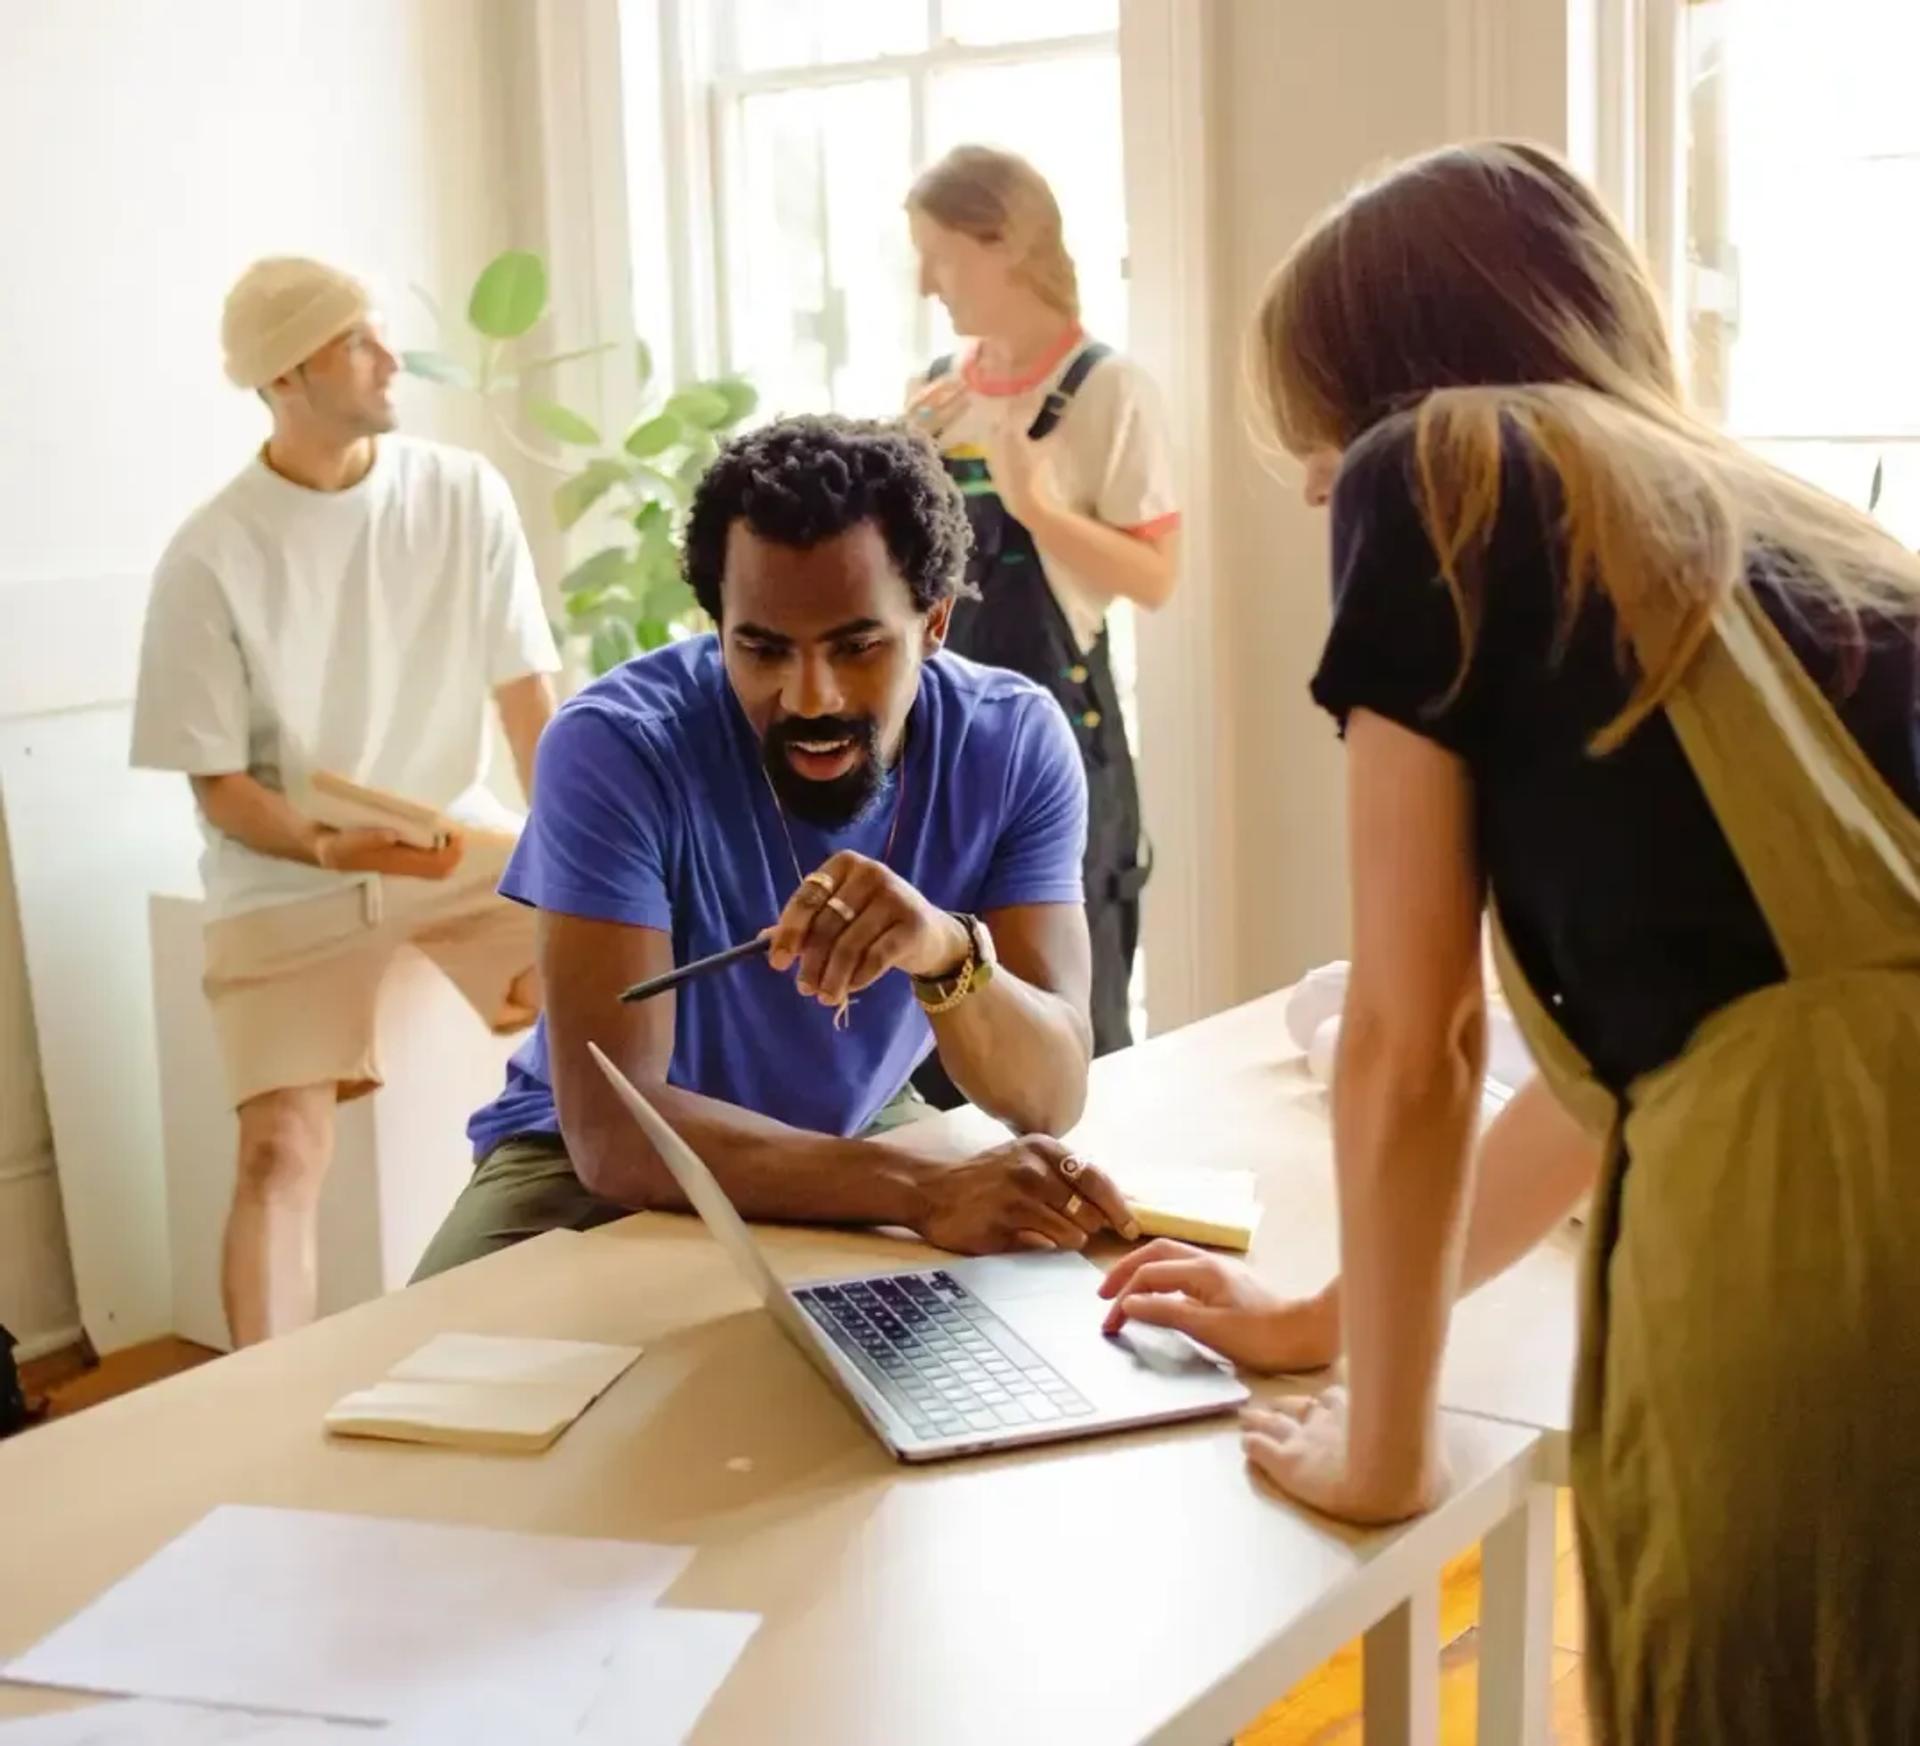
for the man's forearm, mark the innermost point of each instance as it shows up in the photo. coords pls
(770, 1171)
(526, 706)
(1019, 1053)
(252, 813)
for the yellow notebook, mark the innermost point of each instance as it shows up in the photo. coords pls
(1194, 1204)
(482, 1391)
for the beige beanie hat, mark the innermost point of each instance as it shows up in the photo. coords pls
(283, 311)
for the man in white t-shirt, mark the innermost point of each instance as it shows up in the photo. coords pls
(350, 603)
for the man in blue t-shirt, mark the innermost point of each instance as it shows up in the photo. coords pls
(910, 828)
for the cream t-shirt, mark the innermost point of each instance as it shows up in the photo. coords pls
(1109, 455)
(361, 632)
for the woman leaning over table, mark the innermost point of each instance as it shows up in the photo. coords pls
(1657, 705)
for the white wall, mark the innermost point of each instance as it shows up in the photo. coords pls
(153, 148)
(1307, 99)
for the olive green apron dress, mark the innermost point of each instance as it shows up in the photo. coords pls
(1746, 1447)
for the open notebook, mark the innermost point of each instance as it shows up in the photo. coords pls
(482, 1391)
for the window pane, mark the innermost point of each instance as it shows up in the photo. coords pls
(1063, 116)
(994, 21)
(1804, 175)
(819, 267)
(760, 35)
(1846, 469)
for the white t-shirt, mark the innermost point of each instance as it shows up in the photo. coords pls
(360, 631)
(1109, 455)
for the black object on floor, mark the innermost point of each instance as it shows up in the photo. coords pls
(15, 1414)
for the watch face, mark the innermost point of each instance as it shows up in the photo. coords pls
(984, 952)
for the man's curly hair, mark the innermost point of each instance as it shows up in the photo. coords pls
(803, 480)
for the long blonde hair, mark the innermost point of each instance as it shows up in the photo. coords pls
(997, 197)
(1485, 291)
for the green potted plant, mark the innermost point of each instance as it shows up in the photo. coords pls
(628, 594)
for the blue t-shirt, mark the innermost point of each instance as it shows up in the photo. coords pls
(651, 808)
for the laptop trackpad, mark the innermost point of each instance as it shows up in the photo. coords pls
(1053, 1302)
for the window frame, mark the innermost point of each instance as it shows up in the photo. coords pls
(714, 159)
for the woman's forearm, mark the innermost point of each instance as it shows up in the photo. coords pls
(1119, 564)
(1535, 1162)
(1403, 1106)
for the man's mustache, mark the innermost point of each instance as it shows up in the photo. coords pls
(784, 735)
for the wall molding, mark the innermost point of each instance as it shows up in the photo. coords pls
(44, 1345)
(1167, 54)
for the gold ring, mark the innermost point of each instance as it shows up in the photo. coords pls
(1070, 1167)
(1074, 1204)
(842, 908)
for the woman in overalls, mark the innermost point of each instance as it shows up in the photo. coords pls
(1059, 445)
(1659, 703)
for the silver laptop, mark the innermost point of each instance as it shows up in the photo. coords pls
(978, 1354)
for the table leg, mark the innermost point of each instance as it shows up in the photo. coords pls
(1516, 1626)
(1400, 1663)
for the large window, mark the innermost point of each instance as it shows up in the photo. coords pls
(817, 115)
(768, 185)
(1801, 142)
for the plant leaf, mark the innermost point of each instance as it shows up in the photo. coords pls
(652, 633)
(642, 362)
(436, 367)
(663, 486)
(562, 422)
(652, 522)
(592, 607)
(510, 295)
(703, 406)
(1878, 485)
(653, 436)
(740, 395)
(611, 567)
(693, 468)
(667, 597)
(612, 643)
(580, 493)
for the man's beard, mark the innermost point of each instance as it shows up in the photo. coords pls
(840, 800)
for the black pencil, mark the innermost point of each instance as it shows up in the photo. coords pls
(653, 985)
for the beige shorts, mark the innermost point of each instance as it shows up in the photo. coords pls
(295, 987)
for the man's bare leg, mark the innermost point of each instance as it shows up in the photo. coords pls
(269, 1272)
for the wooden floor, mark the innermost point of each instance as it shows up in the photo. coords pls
(68, 1383)
(1321, 1711)
(1324, 1710)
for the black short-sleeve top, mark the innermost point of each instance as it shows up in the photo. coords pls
(1620, 896)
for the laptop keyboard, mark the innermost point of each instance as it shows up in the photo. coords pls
(945, 1362)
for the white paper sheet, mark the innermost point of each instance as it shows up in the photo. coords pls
(665, 1676)
(117, 1723)
(356, 1618)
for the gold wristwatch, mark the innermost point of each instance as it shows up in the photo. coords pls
(939, 994)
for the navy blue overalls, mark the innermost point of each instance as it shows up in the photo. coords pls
(1017, 623)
